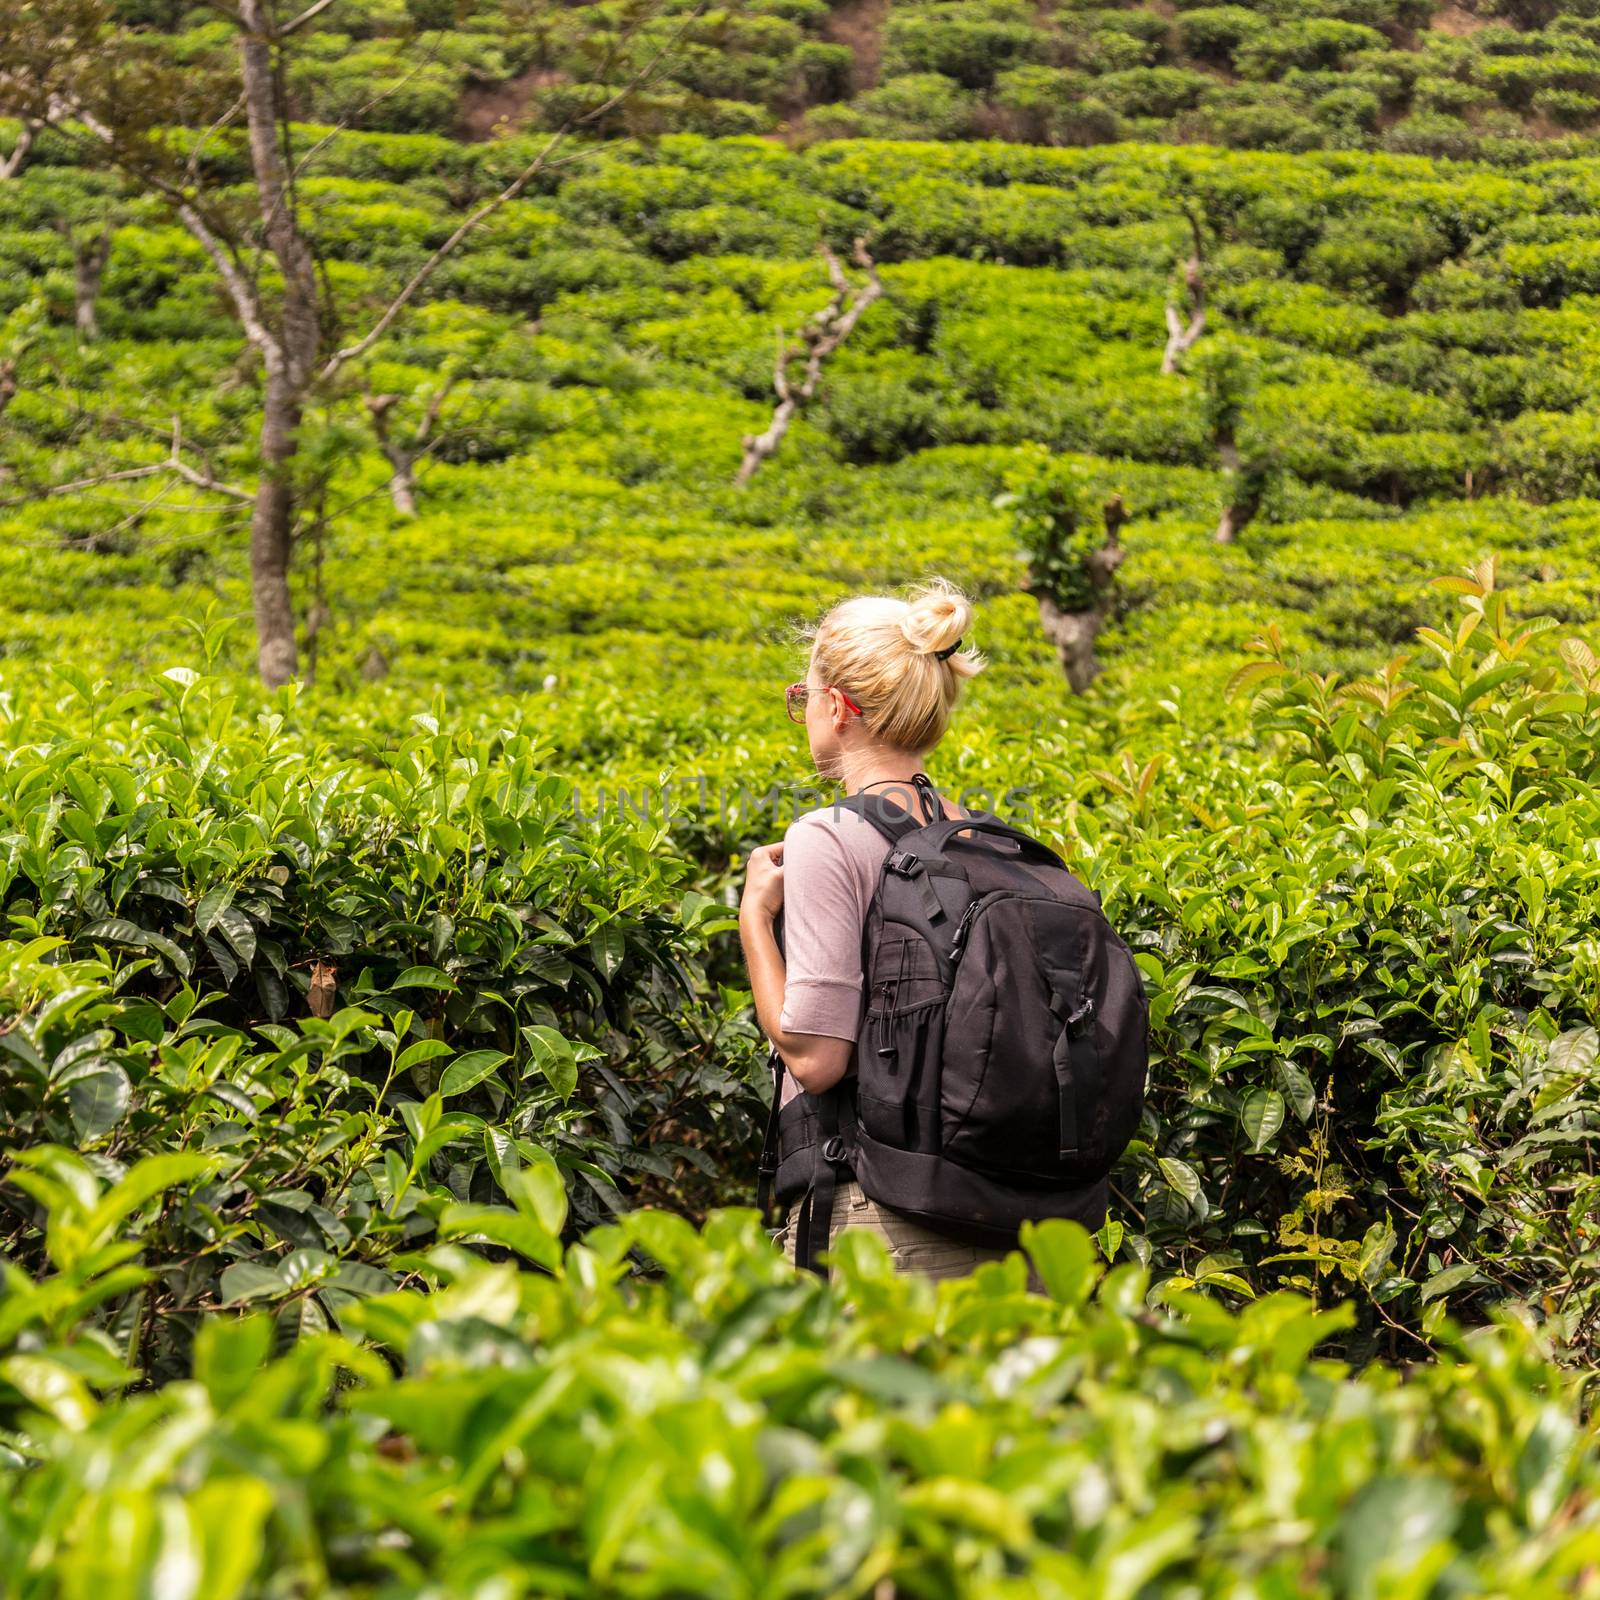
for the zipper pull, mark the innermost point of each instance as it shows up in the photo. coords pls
(962, 930)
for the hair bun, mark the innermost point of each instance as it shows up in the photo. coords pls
(936, 618)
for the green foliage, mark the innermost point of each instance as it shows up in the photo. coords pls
(330, 1007)
(1055, 517)
(1302, 74)
(375, 1000)
(718, 1425)
(970, 49)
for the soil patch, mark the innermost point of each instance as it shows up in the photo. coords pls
(488, 110)
(1457, 22)
(859, 24)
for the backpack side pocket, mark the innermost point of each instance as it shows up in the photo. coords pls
(898, 1089)
(898, 1053)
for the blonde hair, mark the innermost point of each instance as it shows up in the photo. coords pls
(880, 650)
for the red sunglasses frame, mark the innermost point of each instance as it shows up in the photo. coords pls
(796, 693)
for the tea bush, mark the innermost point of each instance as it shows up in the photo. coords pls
(359, 994)
(718, 1426)
(1303, 75)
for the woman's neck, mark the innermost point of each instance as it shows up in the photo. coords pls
(874, 775)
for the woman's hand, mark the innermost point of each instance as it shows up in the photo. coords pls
(763, 884)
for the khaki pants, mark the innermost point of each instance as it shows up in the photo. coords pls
(912, 1247)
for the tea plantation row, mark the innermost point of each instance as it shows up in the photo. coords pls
(1406, 75)
(1414, 331)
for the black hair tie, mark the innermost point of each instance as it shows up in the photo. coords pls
(944, 655)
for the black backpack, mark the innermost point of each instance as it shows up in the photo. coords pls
(1000, 1068)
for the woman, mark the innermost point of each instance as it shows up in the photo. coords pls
(883, 677)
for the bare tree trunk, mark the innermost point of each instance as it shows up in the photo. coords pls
(13, 163)
(1073, 634)
(402, 485)
(402, 471)
(272, 534)
(1228, 453)
(403, 455)
(1181, 335)
(89, 257)
(290, 358)
(265, 116)
(287, 326)
(1243, 492)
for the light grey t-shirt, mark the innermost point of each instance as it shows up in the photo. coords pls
(832, 859)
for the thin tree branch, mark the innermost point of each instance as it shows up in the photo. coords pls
(310, 14)
(201, 480)
(538, 165)
(138, 513)
(174, 464)
(169, 191)
(780, 368)
(819, 338)
(54, 491)
(241, 289)
(27, 132)
(431, 416)
(193, 163)
(344, 123)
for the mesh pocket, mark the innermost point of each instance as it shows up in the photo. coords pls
(898, 1067)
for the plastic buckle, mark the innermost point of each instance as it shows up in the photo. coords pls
(1080, 1019)
(833, 1150)
(903, 862)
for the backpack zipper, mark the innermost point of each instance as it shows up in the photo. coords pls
(958, 944)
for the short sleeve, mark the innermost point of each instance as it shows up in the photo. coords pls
(823, 915)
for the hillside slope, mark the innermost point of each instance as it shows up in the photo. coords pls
(1493, 77)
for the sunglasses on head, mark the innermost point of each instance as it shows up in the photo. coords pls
(794, 699)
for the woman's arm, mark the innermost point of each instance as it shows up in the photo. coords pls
(817, 1060)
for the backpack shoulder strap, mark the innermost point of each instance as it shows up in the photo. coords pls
(890, 820)
(893, 823)
(767, 1167)
(836, 1140)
